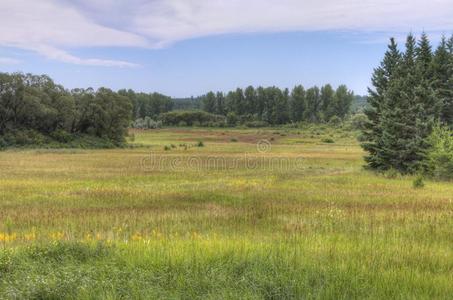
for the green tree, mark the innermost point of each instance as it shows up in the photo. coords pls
(209, 102)
(297, 103)
(327, 97)
(400, 136)
(250, 100)
(220, 107)
(282, 107)
(342, 101)
(313, 105)
(381, 80)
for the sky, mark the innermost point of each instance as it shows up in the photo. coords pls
(185, 48)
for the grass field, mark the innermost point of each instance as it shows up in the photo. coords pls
(294, 217)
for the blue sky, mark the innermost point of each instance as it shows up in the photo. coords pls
(188, 47)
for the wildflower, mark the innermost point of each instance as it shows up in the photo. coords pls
(56, 236)
(137, 237)
(30, 236)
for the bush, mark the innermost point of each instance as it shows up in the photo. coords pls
(328, 141)
(191, 118)
(3, 143)
(61, 136)
(29, 137)
(440, 154)
(146, 123)
(358, 121)
(200, 144)
(418, 182)
(391, 173)
(335, 121)
(232, 119)
(256, 124)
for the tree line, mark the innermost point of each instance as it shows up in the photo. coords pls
(148, 105)
(35, 110)
(412, 93)
(274, 106)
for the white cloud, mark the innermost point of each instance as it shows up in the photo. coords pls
(54, 27)
(63, 56)
(9, 61)
(166, 21)
(47, 26)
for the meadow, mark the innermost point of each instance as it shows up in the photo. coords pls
(184, 213)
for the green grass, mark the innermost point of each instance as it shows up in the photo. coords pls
(298, 219)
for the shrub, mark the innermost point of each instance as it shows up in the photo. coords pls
(391, 173)
(191, 118)
(335, 121)
(146, 123)
(61, 136)
(234, 140)
(418, 182)
(256, 124)
(200, 144)
(358, 121)
(440, 154)
(232, 119)
(328, 141)
(167, 148)
(29, 137)
(3, 143)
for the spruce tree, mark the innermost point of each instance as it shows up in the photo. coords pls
(400, 139)
(372, 135)
(442, 74)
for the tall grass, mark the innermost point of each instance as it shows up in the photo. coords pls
(98, 224)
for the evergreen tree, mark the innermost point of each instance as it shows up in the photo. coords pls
(428, 104)
(381, 79)
(401, 139)
(442, 67)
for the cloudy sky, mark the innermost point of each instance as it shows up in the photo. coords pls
(186, 47)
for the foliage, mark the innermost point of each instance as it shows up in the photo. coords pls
(411, 90)
(273, 106)
(328, 140)
(36, 111)
(147, 105)
(418, 182)
(192, 118)
(359, 121)
(146, 123)
(440, 154)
